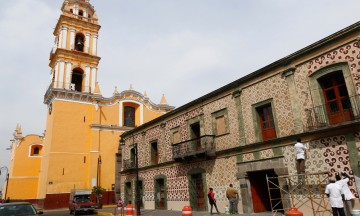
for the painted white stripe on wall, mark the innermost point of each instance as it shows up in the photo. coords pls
(87, 78)
(68, 75)
(121, 114)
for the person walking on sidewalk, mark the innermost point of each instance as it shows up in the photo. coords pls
(212, 200)
(232, 195)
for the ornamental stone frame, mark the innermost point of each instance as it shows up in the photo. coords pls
(277, 164)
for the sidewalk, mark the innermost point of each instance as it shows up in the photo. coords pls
(109, 210)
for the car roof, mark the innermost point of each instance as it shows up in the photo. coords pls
(16, 203)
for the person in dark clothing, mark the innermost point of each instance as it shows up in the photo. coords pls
(212, 200)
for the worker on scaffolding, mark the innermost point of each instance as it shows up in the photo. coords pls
(300, 151)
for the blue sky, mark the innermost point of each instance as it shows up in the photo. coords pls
(181, 48)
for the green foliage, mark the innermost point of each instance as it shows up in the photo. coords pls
(97, 190)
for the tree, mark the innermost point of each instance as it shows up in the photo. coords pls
(97, 191)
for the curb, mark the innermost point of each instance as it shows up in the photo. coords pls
(105, 213)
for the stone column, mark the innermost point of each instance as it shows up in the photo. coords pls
(87, 42)
(87, 78)
(68, 75)
(93, 79)
(72, 38)
(61, 74)
(94, 46)
(236, 96)
(64, 36)
(288, 75)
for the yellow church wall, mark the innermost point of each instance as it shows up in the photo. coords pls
(45, 158)
(109, 115)
(24, 169)
(150, 115)
(109, 147)
(17, 191)
(71, 122)
(68, 171)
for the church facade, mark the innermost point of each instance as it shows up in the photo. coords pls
(79, 145)
(244, 134)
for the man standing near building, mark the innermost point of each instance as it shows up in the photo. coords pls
(300, 151)
(334, 192)
(233, 196)
(349, 198)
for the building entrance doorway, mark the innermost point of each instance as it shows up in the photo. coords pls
(260, 193)
(128, 193)
(160, 202)
(196, 188)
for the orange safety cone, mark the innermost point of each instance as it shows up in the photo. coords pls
(129, 210)
(187, 211)
(294, 212)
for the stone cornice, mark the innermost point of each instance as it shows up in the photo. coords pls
(86, 97)
(76, 21)
(72, 53)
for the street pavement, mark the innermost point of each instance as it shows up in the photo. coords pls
(110, 210)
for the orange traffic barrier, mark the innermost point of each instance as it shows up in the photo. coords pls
(187, 211)
(129, 210)
(294, 212)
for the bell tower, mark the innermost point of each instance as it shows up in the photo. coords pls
(73, 59)
(70, 152)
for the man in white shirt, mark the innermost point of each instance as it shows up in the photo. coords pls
(300, 151)
(349, 198)
(334, 192)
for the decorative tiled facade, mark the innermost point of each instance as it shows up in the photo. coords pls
(241, 152)
(324, 155)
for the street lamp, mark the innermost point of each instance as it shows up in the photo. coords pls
(7, 178)
(137, 180)
(137, 189)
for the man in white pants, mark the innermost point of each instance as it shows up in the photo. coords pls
(300, 151)
(349, 198)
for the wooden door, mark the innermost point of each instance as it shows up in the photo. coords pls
(337, 101)
(197, 192)
(160, 195)
(128, 193)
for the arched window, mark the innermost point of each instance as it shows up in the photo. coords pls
(76, 79)
(129, 116)
(79, 42)
(81, 13)
(71, 11)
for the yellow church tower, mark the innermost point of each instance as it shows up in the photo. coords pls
(83, 127)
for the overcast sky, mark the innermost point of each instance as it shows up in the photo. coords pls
(181, 48)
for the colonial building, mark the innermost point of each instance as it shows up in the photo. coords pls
(78, 148)
(243, 133)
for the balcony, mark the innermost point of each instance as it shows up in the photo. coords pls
(129, 164)
(333, 113)
(202, 147)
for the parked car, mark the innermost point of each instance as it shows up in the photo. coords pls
(18, 208)
(80, 201)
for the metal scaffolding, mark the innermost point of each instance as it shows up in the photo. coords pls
(299, 191)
